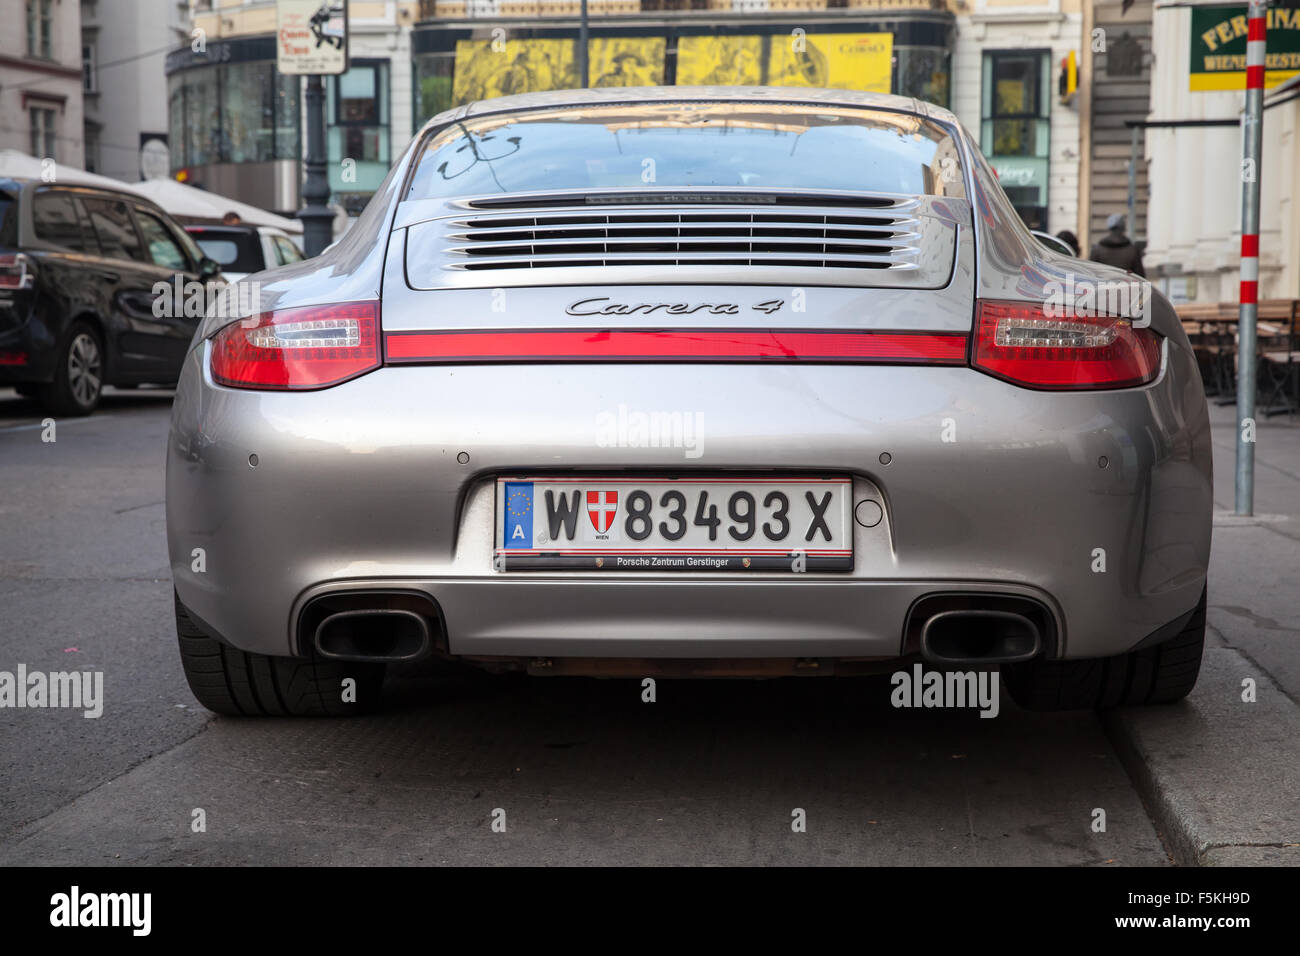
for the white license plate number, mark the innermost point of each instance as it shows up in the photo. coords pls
(674, 524)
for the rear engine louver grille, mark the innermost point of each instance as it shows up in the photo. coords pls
(880, 239)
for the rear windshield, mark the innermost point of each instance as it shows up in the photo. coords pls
(759, 146)
(233, 251)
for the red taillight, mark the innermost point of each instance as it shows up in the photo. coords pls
(1019, 342)
(17, 271)
(12, 357)
(310, 347)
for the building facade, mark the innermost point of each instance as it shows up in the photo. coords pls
(1194, 232)
(1008, 59)
(123, 48)
(41, 105)
(1114, 99)
(236, 125)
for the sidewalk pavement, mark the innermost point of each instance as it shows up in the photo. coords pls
(1220, 775)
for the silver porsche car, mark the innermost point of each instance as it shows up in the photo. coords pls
(655, 382)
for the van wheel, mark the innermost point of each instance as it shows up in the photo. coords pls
(79, 375)
(1162, 674)
(241, 684)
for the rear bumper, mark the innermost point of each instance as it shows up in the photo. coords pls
(24, 331)
(359, 486)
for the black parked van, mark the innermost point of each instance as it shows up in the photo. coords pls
(80, 268)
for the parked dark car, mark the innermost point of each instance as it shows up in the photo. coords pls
(80, 268)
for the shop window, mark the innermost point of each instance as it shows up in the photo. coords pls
(359, 133)
(1014, 129)
(923, 72)
(238, 113)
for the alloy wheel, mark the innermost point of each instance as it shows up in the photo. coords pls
(84, 368)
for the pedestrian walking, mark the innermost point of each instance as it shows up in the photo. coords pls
(1117, 249)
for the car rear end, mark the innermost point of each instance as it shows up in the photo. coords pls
(19, 361)
(750, 386)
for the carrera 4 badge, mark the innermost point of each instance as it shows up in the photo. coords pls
(603, 305)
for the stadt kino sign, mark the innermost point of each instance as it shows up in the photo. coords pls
(1218, 60)
(311, 37)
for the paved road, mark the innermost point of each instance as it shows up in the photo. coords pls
(583, 770)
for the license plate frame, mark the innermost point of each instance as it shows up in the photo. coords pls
(601, 536)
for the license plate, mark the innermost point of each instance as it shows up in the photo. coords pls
(674, 524)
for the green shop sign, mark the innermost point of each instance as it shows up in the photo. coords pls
(1218, 59)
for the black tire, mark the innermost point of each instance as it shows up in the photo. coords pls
(240, 684)
(79, 375)
(1162, 674)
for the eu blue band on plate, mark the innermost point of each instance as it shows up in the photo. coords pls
(519, 514)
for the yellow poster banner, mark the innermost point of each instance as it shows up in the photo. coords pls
(844, 61)
(719, 61)
(848, 61)
(626, 61)
(488, 68)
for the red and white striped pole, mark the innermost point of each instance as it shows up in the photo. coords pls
(1252, 143)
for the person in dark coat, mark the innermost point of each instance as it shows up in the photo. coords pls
(1116, 249)
(1070, 239)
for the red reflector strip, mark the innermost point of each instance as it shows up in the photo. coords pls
(13, 358)
(675, 345)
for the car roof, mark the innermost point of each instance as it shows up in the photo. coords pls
(614, 95)
(26, 182)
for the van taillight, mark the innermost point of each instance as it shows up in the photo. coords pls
(1021, 343)
(17, 271)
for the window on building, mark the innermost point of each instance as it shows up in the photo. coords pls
(43, 132)
(1015, 125)
(91, 139)
(923, 72)
(40, 28)
(89, 81)
(249, 108)
(359, 107)
(240, 113)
